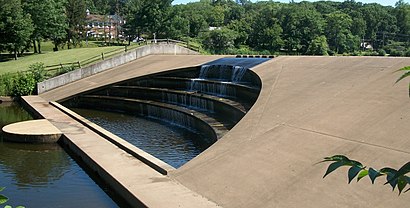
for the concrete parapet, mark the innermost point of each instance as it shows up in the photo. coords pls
(81, 73)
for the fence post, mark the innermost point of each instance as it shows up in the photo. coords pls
(102, 56)
(126, 48)
(79, 65)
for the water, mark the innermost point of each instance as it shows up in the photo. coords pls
(220, 89)
(170, 143)
(43, 175)
(189, 101)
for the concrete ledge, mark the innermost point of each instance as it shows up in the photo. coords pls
(35, 131)
(141, 155)
(6, 99)
(110, 63)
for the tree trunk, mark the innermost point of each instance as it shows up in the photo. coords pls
(55, 46)
(68, 39)
(15, 54)
(39, 46)
(34, 46)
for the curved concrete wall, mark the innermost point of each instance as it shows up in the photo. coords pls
(78, 74)
(148, 109)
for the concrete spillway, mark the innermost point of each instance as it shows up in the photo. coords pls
(308, 108)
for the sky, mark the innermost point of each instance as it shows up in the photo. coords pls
(382, 2)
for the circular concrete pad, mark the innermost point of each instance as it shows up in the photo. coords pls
(35, 131)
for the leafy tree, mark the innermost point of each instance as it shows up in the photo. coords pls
(338, 32)
(403, 17)
(149, 16)
(220, 40)
(49, 20)
(301, 24)
(318, 46)
(76, 13)
(177, 26)
(266, 30)
(15, 26)
(243, 28)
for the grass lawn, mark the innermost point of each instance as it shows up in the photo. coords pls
(53, 58)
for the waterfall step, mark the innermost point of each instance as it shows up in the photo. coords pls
(183, 98)
(220, 127)
(233, 91)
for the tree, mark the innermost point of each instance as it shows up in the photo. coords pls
(220, 40)
(266, 31)
(15, 26)
(76, 13)
(49, 20)
(301, 24)
(403, 17)
(318, 46)
(338, 32)
(148, 16)
(177, 26)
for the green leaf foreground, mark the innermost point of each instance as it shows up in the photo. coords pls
(3, 199)
(406, 74)
(395, 178)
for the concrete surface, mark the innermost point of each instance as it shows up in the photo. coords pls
(138, 183)
(310, 108)
(115, 61)
(140, 67)
(34, 131)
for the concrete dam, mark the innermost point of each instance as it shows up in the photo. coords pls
(271, 120)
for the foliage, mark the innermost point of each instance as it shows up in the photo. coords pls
(4, 199)
(75, 10)
(220, 40)
(38, 71)
(65, 69)
(22, 83)
(318, 46)
(395, 178)
(406, 71)
(15, 27)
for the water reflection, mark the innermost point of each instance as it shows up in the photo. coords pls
(171, 144)
(33, 165)
(43, 175)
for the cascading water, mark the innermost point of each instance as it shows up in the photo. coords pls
(221, 89)
(188, 101)
(222, 72)
(238, 73)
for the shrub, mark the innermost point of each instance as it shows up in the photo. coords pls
(24, 84)
(6, 84)
(381, 52)
(65, 69)
(408, 52)
(38, 71)
(395, 52)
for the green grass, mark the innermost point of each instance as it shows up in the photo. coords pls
(53, 58)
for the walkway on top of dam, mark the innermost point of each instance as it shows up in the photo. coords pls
(308, 108)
